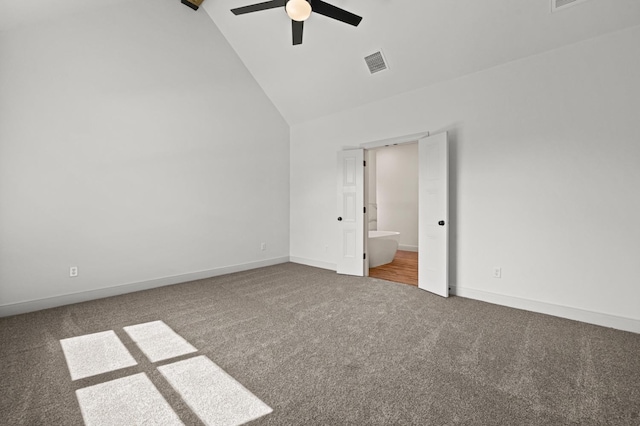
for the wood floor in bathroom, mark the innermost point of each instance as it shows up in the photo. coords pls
(403, 269)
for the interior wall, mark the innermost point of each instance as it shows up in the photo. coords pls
(397, 192)
(372, 191)
(544, 173)
(135, 145)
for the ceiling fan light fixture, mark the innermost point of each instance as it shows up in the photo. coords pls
(298, 10)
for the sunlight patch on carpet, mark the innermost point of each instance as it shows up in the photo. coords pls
(215, 397)
(94, 354)
(131, 400)
(158, 341)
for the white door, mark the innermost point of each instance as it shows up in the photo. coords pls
(350, 215)
(433, 222)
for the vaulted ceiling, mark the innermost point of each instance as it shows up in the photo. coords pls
(424, 42)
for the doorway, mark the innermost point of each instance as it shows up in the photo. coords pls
(433, 216)
(392, 207)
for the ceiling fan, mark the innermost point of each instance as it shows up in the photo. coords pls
(300, 10)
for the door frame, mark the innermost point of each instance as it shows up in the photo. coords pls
(395, 141)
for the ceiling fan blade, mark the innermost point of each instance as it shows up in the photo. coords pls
(296, 27)
(258, 7)
(331, 11)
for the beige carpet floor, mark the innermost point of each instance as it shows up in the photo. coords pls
(319, 348)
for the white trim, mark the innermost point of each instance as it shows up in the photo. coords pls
(314, 263)
(577, 314)
(394, 141)
(407, 248)
(83, 296)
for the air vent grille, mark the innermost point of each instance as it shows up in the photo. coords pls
(376, 62)
(561, 4)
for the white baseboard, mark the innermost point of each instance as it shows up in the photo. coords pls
(314, 263)
(83, 296)
(590, 317)
(407, 248)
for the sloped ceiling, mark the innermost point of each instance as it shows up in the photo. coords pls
(14, 13)
(424, 41)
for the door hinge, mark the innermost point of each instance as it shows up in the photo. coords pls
(365, 163)
(365, 209)
(364, 256)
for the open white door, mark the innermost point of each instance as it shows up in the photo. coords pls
(433, 222)
(351, 212)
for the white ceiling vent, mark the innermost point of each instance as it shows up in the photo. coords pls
(561, 4)
(376, 62)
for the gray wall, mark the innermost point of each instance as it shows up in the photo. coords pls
(544, 177)
(135, 145)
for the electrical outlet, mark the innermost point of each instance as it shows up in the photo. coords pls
(497, 272)
(263, 246)
(73, 271)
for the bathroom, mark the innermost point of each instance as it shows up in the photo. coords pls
(393, 212)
